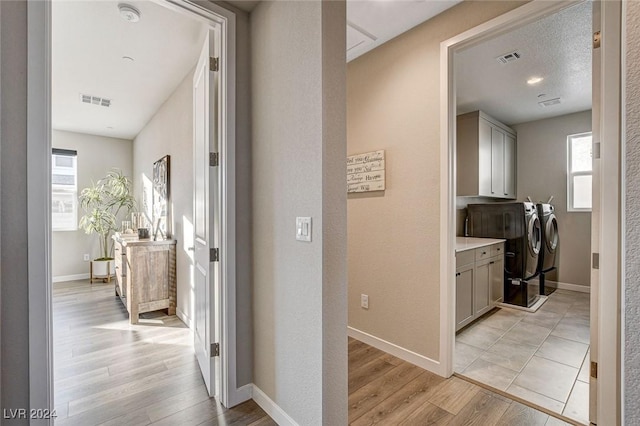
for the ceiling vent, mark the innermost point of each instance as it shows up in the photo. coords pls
(509, 57)
(95, 100)
(549, 102)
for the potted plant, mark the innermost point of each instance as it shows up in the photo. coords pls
(103, 203)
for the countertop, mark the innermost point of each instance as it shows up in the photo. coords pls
(469, 243)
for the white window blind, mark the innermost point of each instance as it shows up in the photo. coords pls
(579, 172)
(64, 190)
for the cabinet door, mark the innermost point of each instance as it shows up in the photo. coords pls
(496, 275)
(509, 166)
(484, 158)
(464, 295)
(481, 287)
(497, 162)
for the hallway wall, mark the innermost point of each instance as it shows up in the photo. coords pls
(298, 154)
(170, 132)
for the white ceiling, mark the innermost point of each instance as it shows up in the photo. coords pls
(371, 23)
(89, 39)
(556, 48)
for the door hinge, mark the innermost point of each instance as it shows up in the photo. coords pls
(214, 64)
(596, 39)
(595, 260)
(215, 349)
(214, 159)
(214, 255)
(594, 370)
(596, 150)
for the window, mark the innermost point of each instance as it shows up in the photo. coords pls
(579, 173)
(64, 190)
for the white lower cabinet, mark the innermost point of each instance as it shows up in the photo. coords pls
(479, 282)
(464, 295)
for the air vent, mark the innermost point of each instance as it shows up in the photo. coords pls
(509, 57)
(549, 102)
(95, 100)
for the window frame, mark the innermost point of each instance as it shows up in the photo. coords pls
(65, 189)
(571, 174)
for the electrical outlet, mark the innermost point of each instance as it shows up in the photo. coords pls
(364, 301)
(85, 257)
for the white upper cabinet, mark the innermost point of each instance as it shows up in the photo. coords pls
(486, 157)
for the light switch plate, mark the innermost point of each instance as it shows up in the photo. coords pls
(303, 228)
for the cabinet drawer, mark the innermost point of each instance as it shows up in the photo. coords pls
(464, 258)
(483, 253)
(497, 249)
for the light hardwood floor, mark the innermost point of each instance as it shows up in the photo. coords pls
(385, 390)
(107, 372)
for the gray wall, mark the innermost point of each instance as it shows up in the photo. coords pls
(170, 132)
(542, 172)
(14, 310)
(298, 145)
(631, 372)
(244, 209)
(97, 155)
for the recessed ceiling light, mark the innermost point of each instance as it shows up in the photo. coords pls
(128, 58)
(129, 13)
(534, 80)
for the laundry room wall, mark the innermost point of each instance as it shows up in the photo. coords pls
(542, 172)
(393, 103)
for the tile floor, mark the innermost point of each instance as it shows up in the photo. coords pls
(542, 357)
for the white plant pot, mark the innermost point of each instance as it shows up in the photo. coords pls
(100, 267)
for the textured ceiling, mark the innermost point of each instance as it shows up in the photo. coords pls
(89, 40)
(556, 48)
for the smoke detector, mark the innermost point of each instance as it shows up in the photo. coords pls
(95, 100)
(509, 57)
(129, 13)
(549, 102)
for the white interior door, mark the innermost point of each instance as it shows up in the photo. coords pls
(605, 380)
(206, 271)
(595, 216)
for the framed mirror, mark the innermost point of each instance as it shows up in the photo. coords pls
(161, 199)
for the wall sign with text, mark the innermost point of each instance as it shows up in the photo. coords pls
(365, 172)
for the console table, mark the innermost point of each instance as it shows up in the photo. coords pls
(145, 275)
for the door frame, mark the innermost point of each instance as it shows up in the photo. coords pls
(38, 198)
(608, 322)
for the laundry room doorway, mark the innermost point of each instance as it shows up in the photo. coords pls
(510, 81)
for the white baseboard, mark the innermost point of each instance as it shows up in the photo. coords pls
(62, 278)
(397, 351)
(271, 408)
(184, 318)
(567, 286)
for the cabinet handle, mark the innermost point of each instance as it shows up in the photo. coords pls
(484, 252)
(458, 274)
(491, 263)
